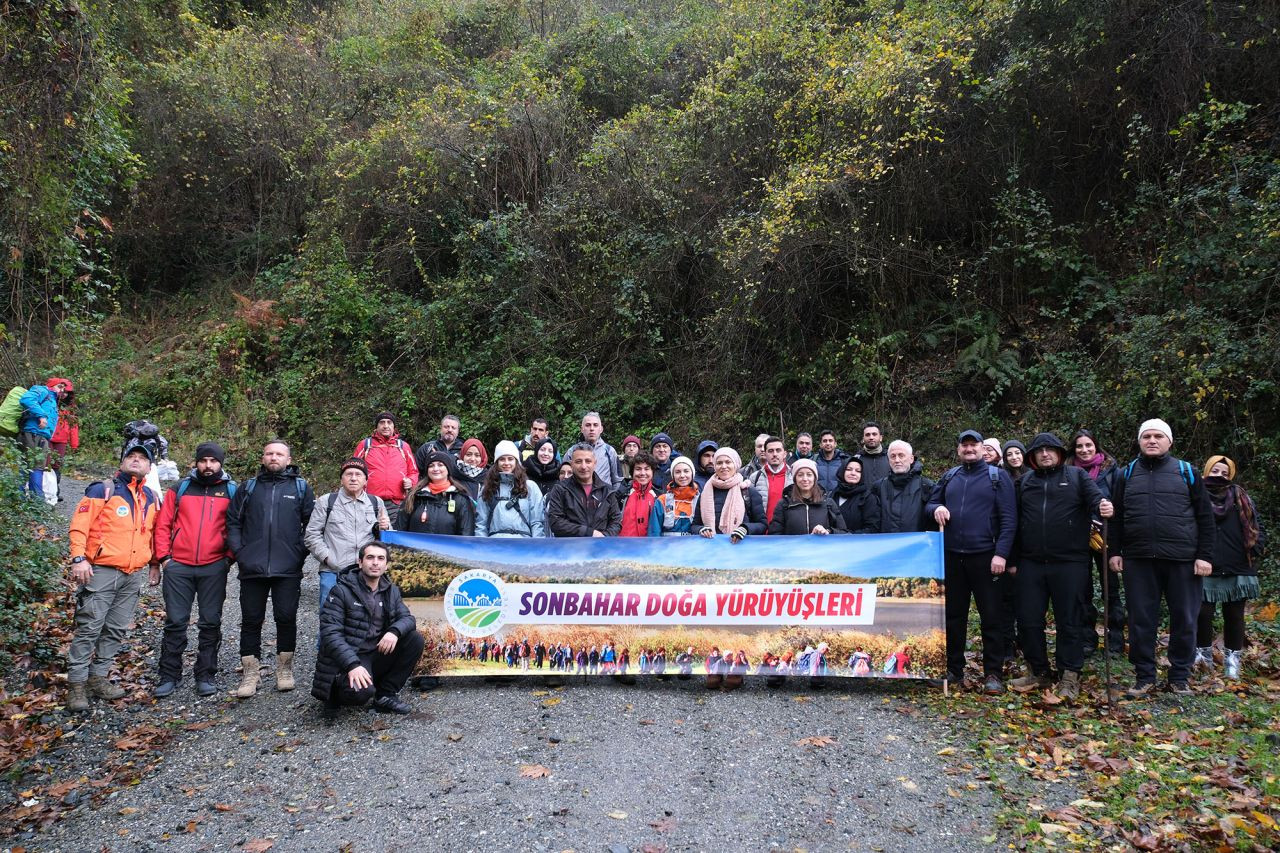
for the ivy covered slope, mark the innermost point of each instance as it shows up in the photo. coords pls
(246, 218)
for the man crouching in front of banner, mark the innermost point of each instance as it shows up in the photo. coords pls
(369, 642)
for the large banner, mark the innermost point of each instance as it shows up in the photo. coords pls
(853, 605)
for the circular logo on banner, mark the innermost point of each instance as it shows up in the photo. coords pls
(473, 603)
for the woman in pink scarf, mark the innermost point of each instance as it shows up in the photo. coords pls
(728, 505)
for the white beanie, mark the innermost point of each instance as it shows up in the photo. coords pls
(1156, 424)
(506, 448)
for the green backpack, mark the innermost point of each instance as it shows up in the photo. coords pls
(11, 412)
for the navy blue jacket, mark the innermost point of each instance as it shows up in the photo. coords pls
(983, 518)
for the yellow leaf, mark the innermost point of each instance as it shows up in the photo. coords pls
(1052, 828)
(950, 750)
(1088, 804)
(1265, 819)
(552, 702)
(1165, 747)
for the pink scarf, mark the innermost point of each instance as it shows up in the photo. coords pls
(735, 508)
(1093, 466)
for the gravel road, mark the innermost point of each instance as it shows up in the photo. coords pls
(664, 765)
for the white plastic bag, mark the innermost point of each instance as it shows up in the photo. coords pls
(167, 470)
(49, 483)
(153, 483)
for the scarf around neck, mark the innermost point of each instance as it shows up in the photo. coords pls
(735, 508)
(1093, 467)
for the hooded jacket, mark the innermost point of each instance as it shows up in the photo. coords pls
(859, 507)
(699, 476)
(346, 624)
(39, 402)
(116, 530)
(662, 472)
(432, 446)
(389, 461)
(572, 512)
(875, 466)
(266, 522)
(193, 529)
(1055, 509)
(901, 499)
(68, 429)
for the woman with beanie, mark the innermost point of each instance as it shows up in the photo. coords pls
(680, 500)
(728, 505)
(439, 502)
(1234, 579)
(473, 460)
(1015, 459)
(542, 466)
(630, 450)
(641, 508)
(803, 507)
(858, 504)
(510, 505)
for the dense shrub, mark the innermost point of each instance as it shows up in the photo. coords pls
(31, 554)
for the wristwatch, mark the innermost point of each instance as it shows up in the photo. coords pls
(75, 561)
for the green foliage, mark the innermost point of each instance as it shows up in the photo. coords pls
(710, 217)
(31, 555)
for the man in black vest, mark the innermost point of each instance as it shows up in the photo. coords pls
(1162, 540)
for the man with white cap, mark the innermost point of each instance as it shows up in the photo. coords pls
(1162, 540)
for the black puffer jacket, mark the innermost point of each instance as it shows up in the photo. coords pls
(795, 517)
(450, 513)
(859, 507)
(345, 625)
(1158, 515)
(572, 512)
(266, 522)
(1055, 508)
(753, 523)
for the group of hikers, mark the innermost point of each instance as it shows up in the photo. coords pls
(607, 659)
(1022, 526)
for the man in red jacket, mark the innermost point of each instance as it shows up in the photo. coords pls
(392, 469)
(191, 545)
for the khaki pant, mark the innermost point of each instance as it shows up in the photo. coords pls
(104, 609)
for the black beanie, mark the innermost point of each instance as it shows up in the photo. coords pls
(382, 415)
(211, 448)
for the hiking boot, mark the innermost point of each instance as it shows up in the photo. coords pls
(1203, 660)
(101, 687)
(1031, 683)
(1181, 688)
(1231, 668)
(206, 688)
(731, 682)
(1140, 690)
(714, 680)
(284, 672)
(391, 705)
(1069, 686)
(248, 678)
(164, 688)
(993, 686)
(77, 696)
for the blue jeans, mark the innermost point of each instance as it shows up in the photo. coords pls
(328, 580)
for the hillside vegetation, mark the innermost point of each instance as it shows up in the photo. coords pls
(251, 218)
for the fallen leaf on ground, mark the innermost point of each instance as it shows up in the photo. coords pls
(453, 737)
(617, 815)
(818, 741)
(258, 845)
(664, 824)
(534, 771)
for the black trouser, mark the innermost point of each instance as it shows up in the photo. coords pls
(1232, 625)
(1008, 616)
(285, 593)
(970, 575)
(182, 585)
(1145, 583)
(389, 672)
(1115, 616)
(1038, 584)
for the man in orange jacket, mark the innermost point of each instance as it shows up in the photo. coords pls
(111, 533)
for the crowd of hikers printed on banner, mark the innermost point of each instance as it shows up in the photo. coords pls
(1027, 528)
(527, 656)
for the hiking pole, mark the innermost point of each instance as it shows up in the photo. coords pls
(1106, 616)
(946, 672)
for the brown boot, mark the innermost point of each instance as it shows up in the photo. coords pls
(77, 696)
(101, 687)
(248, 678)
(1069, 686)
(1029, 683)
(731, 682)
(284, 671)
(714, 680)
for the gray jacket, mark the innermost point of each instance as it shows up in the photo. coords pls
(760, 482)
(522, 517)
(335, 539)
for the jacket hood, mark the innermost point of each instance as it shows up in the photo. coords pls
(55, 380)
(705, 445)
(1045, 439)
